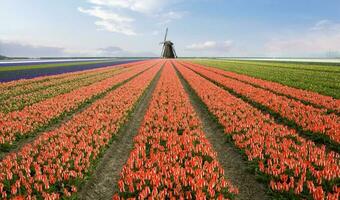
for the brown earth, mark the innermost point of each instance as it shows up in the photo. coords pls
(56, 123)
(103, 183)
(235, 167)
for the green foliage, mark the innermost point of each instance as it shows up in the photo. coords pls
(2, 57)
(322, 78)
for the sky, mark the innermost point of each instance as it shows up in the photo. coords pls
(270, 28)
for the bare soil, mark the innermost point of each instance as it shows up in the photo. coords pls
(103, 182)
(235, 166)
(56, 123)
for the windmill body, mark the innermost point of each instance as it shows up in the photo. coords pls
(168, 50)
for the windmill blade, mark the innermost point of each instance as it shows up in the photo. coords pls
(162, 51)
(173, 48)
(166, 34)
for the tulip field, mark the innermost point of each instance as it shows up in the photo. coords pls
(194, 132)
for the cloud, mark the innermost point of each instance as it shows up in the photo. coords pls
(211, 46)
(325, 25)
(119, 52)
(318, 40)
(141, 6)
(111, 49)
(16, 49)
(110, 21)
(106, 11)
(13, 49)
(168, 17)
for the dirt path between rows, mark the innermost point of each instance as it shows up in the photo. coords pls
(235, 167)
(56, 123)
(329, 111)
(318, 138)
(103, 182)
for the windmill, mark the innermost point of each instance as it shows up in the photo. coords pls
(168, 50)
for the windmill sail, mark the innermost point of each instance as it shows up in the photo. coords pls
(166, 34)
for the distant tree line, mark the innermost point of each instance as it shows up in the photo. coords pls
(3, 57)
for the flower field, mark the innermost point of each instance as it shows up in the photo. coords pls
(58, 132)
(171, 156)
(51, 165)
(27, 120)
(308, 117)
(289, 161)
(299, 94)
(23, 96)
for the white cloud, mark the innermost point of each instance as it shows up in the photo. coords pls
(111, 49)
(18, 49)
(110, 21)
(325, 25)
(119, 52)
(13, 49)
(211, 46)
(319, 40)
(168, 17)
(172, 15)
(202, 46)
(142, 6)
(157, 10)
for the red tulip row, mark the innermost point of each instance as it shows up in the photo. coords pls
(171, 158)
(18, 102)
(293, 165)
(325, 101)
(24, 85)
(42, 83)
(51, 166)
(308, 117)
(31, 118)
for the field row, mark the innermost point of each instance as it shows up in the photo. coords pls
(23, 71)
(291, 164)
(311, 119)
(17, 99)
(303, 95)
(18, 124)
(171, 158)
(320, 78)
(72, 119)
(53, 165)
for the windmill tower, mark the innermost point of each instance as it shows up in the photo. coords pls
(168, 50)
